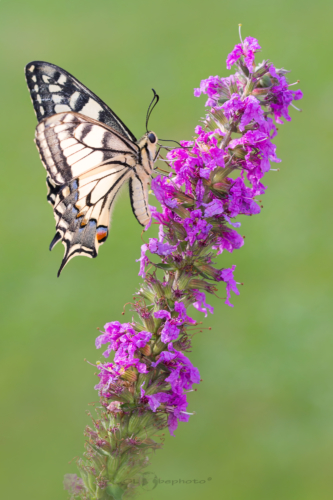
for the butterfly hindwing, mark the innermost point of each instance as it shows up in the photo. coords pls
(86, 163)
(54, 90)
(83, 209)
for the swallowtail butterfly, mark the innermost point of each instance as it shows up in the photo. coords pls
(88, 154)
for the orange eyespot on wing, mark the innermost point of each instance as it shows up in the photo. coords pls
(101, 234)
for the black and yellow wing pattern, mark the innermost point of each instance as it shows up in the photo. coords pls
(88, 154)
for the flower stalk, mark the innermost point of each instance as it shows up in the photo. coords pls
(212, 180)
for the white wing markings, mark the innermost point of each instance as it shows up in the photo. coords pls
(59, 108)
(73, 99)
(92, 109)
(62, 79)
(54, 88)
(93, 139)
(56, 98)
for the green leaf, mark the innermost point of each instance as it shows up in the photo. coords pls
(166, 267)
(171, 303)
(183, 245)
(115, 490)
(128, 406)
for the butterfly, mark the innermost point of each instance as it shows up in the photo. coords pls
(88, 154)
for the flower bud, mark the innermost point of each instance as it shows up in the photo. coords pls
(157, 289)
(182, 212)
(265, 81)
(219, 118)
(211, 124)
(158, 347)
(260, 91)
(239, 152)
(184, 198)
(147, 294)
(149, 324)
(202, 285)
(130, 375)
(219, 175)
(208, 270)
(179, 230)
(139, 327)
(183, 280)
(146, 350)
(139, 421)
(220, 186)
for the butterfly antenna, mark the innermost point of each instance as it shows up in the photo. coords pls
(151, 106)
(170, 140)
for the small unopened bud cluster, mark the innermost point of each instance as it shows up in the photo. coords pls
(213, 179)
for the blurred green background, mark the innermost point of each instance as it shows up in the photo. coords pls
(263, 427)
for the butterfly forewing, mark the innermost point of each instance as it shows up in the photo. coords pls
(54, 90)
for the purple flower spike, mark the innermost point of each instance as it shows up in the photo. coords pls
(214, 178)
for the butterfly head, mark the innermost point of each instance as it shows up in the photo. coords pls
(148, 144)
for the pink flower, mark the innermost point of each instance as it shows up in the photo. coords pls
(201, 304)
(247, 50)
(227, 275)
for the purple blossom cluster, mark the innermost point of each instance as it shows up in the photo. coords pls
(245, 50)
(126, 343)
(213, 179)
(182, 377)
